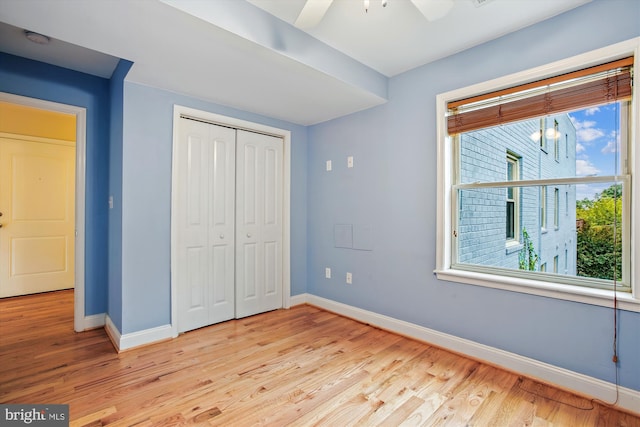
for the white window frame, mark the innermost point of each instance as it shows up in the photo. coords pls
(515, 191)
(556, 208)
(444, 237)
(543, 208)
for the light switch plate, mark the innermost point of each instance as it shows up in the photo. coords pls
(350, 161)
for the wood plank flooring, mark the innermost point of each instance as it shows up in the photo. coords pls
(298, 367)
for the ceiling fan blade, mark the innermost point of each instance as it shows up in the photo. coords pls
(433, 9)
(312, 13)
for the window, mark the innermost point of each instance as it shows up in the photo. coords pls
(478, 125)
(513, 201)
(543, 208)
(556, 208)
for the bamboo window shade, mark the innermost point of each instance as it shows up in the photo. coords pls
(601, 84)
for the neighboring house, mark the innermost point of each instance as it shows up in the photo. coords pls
(492, 221)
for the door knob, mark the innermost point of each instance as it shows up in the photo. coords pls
(222, 236)
(248, 234)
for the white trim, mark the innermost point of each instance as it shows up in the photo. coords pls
(629, 399)
(136, 339)
(112, 332)
(286, 200)
(445, 197)
(94, 321)
(81, 149)
(298, 300)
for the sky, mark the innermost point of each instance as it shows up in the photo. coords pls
(597, 134)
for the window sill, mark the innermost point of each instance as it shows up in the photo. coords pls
(513, 247)
(600, 297)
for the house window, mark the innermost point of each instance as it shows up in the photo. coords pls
(513, 201)
(543, 208)
(480, 124)
(556, 208)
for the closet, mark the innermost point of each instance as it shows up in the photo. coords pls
(228, 186)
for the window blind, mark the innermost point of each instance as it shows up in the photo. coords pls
(584, 88)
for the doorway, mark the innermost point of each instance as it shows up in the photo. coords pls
(57, 159)
(222, 265)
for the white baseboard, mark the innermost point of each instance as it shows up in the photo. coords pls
(94, 321)
(628, 399)
(112, 332)
(136, 339)
(298, 299)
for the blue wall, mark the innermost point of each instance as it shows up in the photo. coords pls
(146, 201)
(116, 94)
(392, 190)
(34, 79)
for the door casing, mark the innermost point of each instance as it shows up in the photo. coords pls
(79, 322)
(221, 120)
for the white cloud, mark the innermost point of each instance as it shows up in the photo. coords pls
(589, 134)
(589, 191)
(585, 167)
(579, 148)
(586, 131)
(610, 148)
(591, 111)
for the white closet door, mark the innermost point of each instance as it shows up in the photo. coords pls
(205, 218)
(259, 181)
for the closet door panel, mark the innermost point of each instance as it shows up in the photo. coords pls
(205, 174)
(222, 223)
(258, 223)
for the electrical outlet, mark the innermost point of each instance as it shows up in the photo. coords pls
(327, 273)
(329, 165)
(349, 279)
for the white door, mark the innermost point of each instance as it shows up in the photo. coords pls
(229, 197)
(205, 218)
(37, 202)
(259, 175)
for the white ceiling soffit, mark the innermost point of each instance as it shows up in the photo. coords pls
(249, 55)
(56, 52)
(408, 33)
(271, 68)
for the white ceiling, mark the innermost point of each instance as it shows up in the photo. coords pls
(247, 54)
(397, 38)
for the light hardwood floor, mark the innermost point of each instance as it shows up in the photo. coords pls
(302, 367)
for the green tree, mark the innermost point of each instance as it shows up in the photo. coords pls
(600, 235)
(527, 257)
